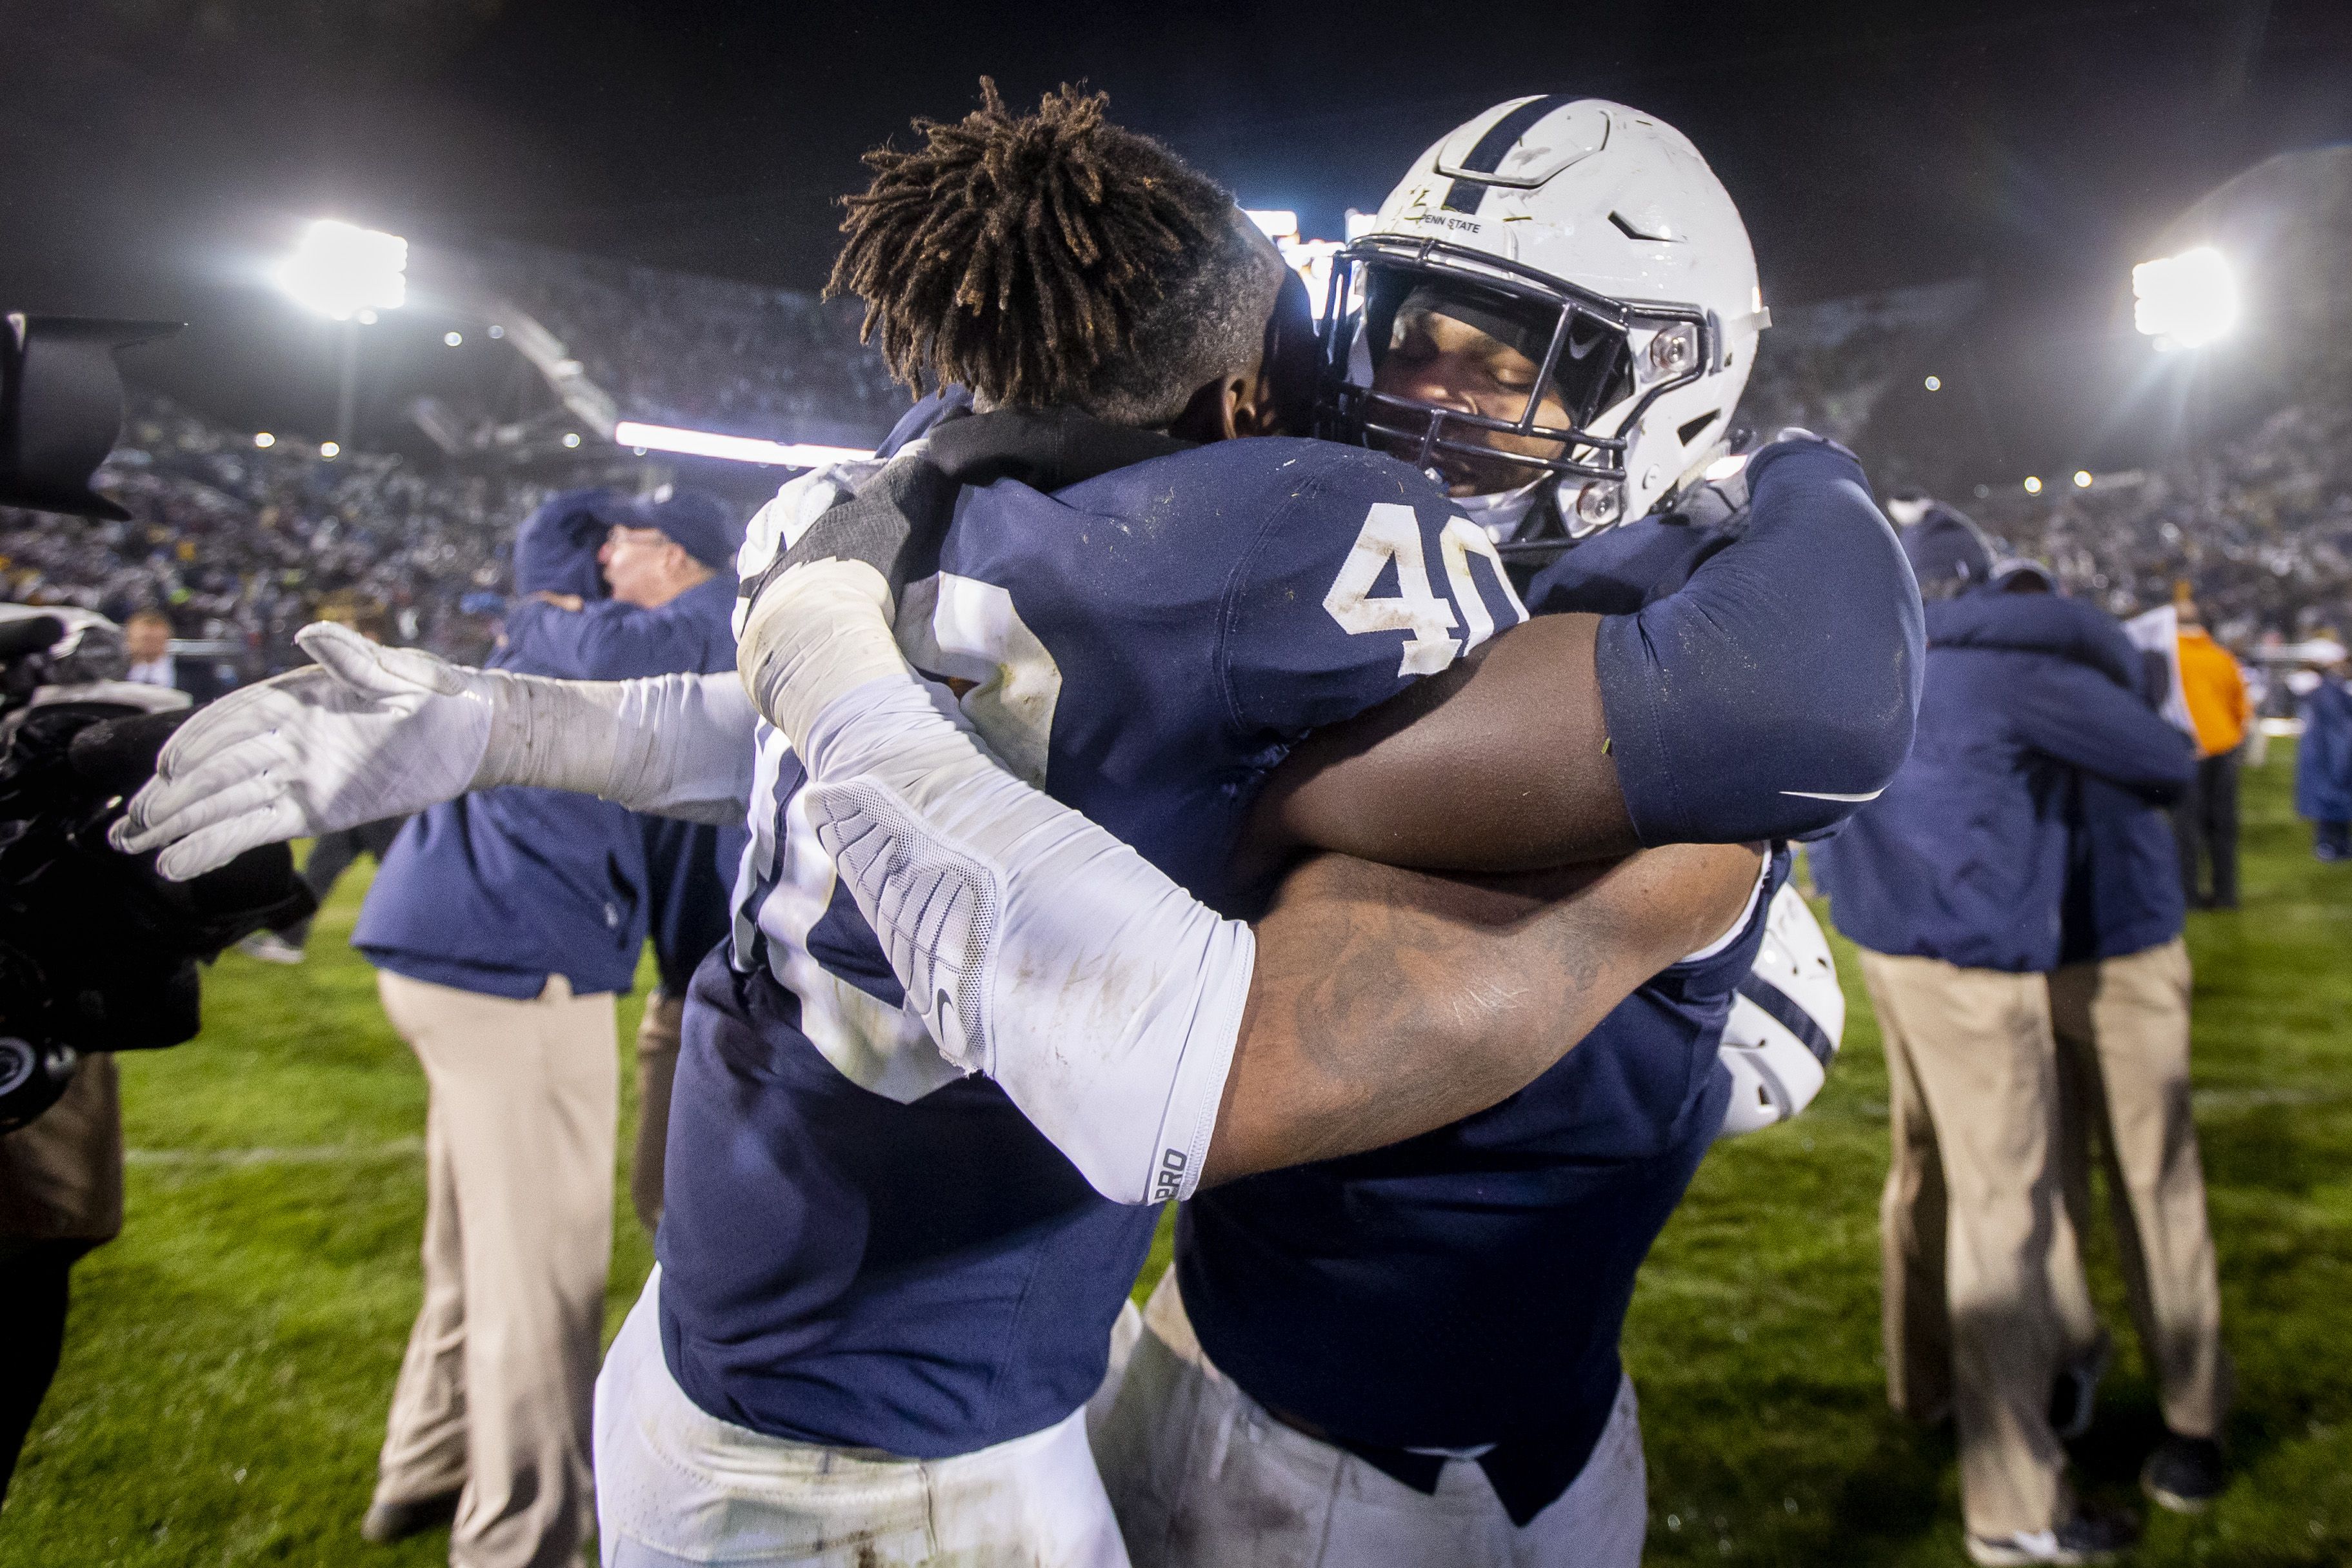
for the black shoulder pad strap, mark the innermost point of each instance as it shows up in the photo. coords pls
(897, 522)
(1044, 448)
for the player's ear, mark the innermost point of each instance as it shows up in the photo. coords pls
(1255, 408)
(1222, 409)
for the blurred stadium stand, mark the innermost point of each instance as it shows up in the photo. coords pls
(243, 545)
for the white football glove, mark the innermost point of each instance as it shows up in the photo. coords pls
(368, 732)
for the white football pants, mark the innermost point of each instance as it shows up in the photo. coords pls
(676, 1486)
(1203, 1476)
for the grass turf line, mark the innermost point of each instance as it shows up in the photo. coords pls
(230, 1358)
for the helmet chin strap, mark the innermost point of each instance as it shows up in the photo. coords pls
(1502, 512)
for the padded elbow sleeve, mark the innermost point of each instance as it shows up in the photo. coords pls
(1776, 691)
(1039, 948)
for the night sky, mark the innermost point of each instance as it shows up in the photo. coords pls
(157, 153)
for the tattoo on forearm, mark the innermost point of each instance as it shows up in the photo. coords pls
(1388, 1003)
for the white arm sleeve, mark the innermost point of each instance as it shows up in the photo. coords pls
(371, 732)
(674, 745)
(1037, 947)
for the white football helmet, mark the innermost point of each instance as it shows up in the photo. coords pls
(1598, 238)
(1786, 1022)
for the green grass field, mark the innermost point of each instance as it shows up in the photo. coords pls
(231, 1356)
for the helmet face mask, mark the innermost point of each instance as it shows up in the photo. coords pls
(1608, 324)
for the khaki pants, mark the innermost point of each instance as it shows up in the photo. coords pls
(1202, 1476)
(1969, 1224)
(495, 1391)
(61, 1175)
(2122, 1056)
(657, 1037)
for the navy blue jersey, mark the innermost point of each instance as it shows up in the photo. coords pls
(861, 1246)
(1464, 1289)
(1467, 1287)
(1758, 693)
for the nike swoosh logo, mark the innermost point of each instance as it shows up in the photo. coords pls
(1826, 795)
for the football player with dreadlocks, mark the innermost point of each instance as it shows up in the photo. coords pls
(1409, 1354)
(865, 1249)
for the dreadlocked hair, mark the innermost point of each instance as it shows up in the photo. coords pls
(1046, 258)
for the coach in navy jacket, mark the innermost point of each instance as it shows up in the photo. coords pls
(2120, 1006)
(652, 625)
(497, 892)
(1965, 857)
(503, 925)
(2322, 766)
(1953, 884)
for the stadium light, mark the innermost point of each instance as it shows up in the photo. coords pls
(2033, 484)
(734, 448)
(1935, 383)
(263, 440)
(2082, 478)
(453, 338)
(1310, 259)
(1278, 223)
(330, 449)
(344, 271)
(2187, 300)
(571, 438)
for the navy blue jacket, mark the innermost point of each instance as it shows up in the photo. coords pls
(2123, 869)
(2123, 876)
(1965, 857)
(495, 891)
(2323, 761)
(689, 866)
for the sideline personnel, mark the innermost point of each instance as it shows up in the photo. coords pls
(1950, 883)
(669, 558)
(2206, 821)
(2322, 759)
(2119, 1004)
(502, 926)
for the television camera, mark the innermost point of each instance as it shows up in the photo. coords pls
(98, 952)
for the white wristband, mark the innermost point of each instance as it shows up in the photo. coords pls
(675, 746)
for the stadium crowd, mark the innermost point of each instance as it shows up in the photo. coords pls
(248, 544)
(2260, 522)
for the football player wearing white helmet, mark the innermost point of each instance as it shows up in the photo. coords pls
(1337, 1336)
(1555, 312)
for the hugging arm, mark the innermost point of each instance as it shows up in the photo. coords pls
(1770, 696)
(2079, 716)
(1386, 1003)
(1156, 1043)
